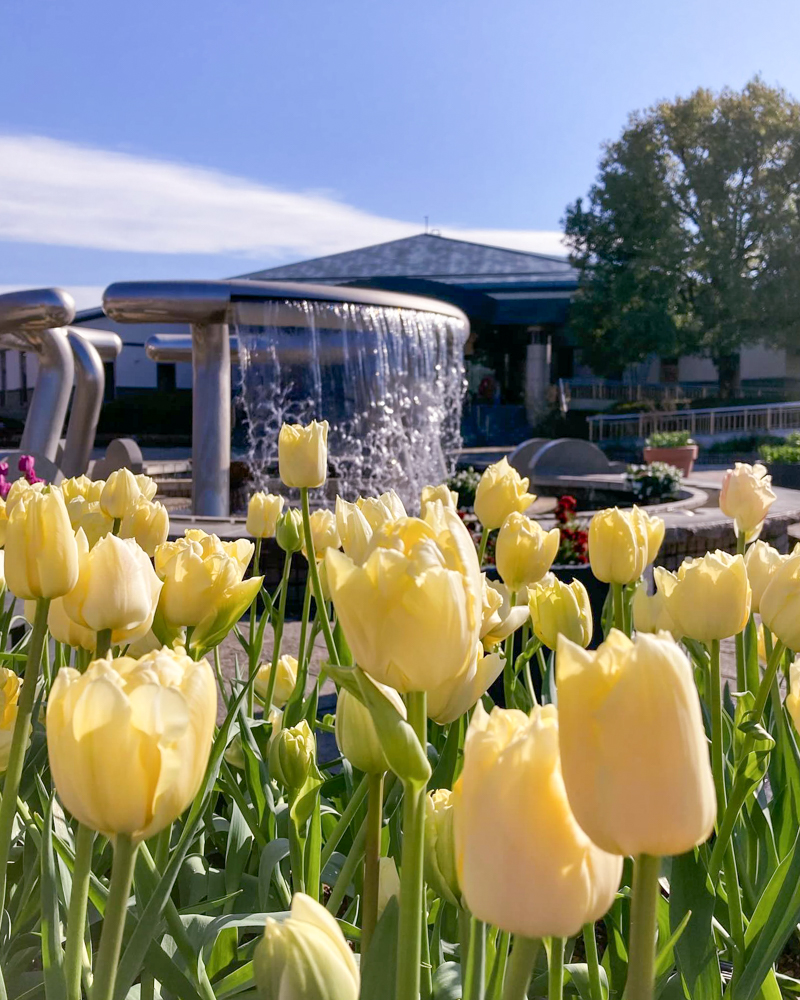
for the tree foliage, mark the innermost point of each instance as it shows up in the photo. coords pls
(688, 240)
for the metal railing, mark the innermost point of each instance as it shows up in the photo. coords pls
(603, 390)
(765, 417)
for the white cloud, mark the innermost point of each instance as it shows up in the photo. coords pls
(63, 194)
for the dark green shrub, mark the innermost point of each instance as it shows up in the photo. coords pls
(669, 439)
(654, 482)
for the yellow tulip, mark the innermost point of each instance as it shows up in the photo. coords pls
(117, 589)
(305, 957)
(2, 571)
(41, 552)
(3, 522)
(412, 612)
(747, 496)
(9, 698)
(263, 512)
(633, 749)
(650, 612)
(356, 736)
(378, 510)
(303, 454)
(285, 680)
(388, 883)
(793, 697)
(618, 545)
(81, 486)
(442, 493)
(289, 530)
(501, 491)
(499, 617)
(122, 489)
(353, 530)
(20, 489)
(560, 608)
(525, 551)
(454, 697)
(440, 849)
(148, 522)
(88, 516)
(129, 740)
(780, 602)
(64, 629)
(514, 829)
(654, 529)
(761, 561)
(291, 754)
(324, 533)
(708, 598)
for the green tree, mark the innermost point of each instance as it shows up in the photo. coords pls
(689, 240)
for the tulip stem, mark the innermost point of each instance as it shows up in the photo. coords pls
(315, 584)
(475, 977)
(114, 917)
(619, 610)
(520, 967)
(372, 858)
(103, 643)
(593, 962)
(76, 917)
(717, 760)
(482, 546)
(412, 902)
(644, 904)
(344, 820)
(296, 852)
(253, 653)
(19, 740)
(277, 630)
(555, 969)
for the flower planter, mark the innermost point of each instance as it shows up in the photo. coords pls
(785, 474)
(682, 458)
(596, 590)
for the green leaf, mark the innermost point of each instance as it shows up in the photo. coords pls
(379, 965)
(447, 982)
(445, 770)
(271, 857)
(695, 950)
(578, 974)
(52, 953)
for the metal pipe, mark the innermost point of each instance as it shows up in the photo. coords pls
(89, 348)
(35, 309)
(211, 419)
(50, 400)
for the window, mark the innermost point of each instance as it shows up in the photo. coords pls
(110, 370)
(165, 376)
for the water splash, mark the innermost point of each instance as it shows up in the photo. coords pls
(390, 382)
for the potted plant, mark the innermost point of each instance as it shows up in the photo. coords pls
(673, 447)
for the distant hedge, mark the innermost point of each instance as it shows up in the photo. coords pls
(146, 412)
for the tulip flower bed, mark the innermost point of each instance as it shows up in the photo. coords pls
(620, 827)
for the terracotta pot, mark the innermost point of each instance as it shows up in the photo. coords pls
(682, 458)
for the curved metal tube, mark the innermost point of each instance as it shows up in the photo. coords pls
(211, 419)
(35, 309)
(89, 349)
(50, 400)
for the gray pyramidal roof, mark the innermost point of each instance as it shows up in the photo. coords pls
(430, 256)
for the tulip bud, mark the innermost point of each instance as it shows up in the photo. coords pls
(21, 489)
(500, 617)
(9, 698)
(305, 957)
(761, 560)
(129, 740)
(41, 552)
(119, 494)
(708, 598)
(148, 522)
(780, 602)
(353, 529)
(285, 680)
(560, 608)
(117, 589)
(650, 613)
(508, 840)
(81, 486)
(303, 454)
(388, 883)
(440, 848)
(618, 546)
(654, 529)
(747, 496)
(380, 510)
(291, 755)
(442, 493)
(356, 737)
(659, 800)
(324, 533)
(87, 516)
(263, 512)
(289, 531)
(525, 551)
(501, 491)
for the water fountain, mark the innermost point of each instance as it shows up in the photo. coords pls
(384, 368)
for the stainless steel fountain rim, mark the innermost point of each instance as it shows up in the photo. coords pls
(211, 301)
(35, 309)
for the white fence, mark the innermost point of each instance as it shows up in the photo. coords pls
(715, 420)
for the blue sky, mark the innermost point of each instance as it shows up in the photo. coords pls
(192, 139)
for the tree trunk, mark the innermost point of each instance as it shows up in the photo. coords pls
(729, 370)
